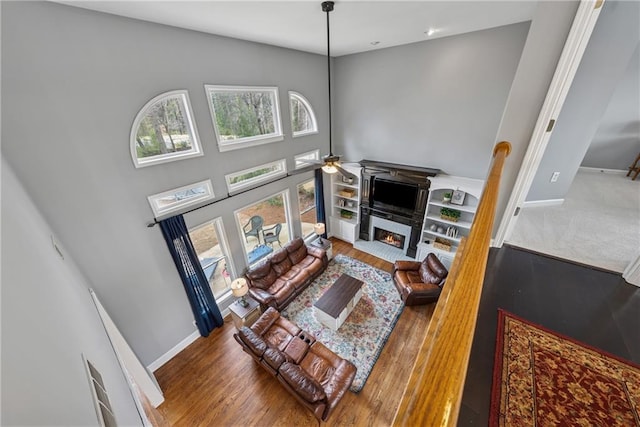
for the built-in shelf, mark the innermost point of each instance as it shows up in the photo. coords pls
(435, 227)
(345, 196)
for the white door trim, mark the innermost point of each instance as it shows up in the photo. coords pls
(581, 29)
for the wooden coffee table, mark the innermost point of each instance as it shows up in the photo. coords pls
(338, 301)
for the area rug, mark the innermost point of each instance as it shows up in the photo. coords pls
(362, 336)
(541, 378)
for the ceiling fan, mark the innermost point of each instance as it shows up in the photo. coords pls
(331, 162)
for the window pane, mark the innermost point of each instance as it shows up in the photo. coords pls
(244, 114)
(259, 227)
(164, 129)
(212, 256)
(307, 202)
(258, 174)
(173, 200)
(303, 120)
(302, 160)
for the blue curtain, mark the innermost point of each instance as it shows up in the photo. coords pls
(204, 307)
(320, 214)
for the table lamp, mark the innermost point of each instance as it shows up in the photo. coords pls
(239, 289)
(319, 229)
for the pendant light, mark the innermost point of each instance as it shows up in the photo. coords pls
(330, 161)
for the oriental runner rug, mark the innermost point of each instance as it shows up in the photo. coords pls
(541, 378)
(362, 336)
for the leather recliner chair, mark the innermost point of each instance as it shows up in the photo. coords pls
(419, 282)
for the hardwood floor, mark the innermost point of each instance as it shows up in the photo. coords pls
(213, 382)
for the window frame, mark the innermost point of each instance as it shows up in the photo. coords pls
(296, 159)
(249, 141)
(196, 148)
(287, 216)
(307, 105)
(178, 206)
(300, 212)
(257, 180)
(218, 226)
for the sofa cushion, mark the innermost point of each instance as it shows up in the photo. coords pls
(405, 277)
(255, 343)
(297, 250)
(274, 358)
(306, 387)
(262, 276)
(280, 262)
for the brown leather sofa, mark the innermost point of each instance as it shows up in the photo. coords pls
(419, 282)
(279, 279)
(313, 374)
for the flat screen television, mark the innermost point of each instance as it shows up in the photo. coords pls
(394, 194)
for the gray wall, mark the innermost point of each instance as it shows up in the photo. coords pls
(72, 82)
(48, 321)
(617, 140)
(603, 65)
(436, 103)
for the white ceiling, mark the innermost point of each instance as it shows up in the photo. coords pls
(301, 25)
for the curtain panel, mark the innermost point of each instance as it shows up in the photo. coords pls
(205, 310)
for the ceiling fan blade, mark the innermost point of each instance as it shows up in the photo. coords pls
(307, 168)
(344, 172)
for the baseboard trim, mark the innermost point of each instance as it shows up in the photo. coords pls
(601, 170)
(540, 203)
(156, 364)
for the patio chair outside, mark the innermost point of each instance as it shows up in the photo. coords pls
(255, 226)
(271, 235)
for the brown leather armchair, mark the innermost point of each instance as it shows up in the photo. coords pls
(419, 282)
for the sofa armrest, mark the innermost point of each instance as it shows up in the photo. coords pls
(262, 296)
(307, 388)
(316, 251)
(406, 265)
(253, 342)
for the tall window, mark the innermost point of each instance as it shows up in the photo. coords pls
(303, 120)
(211, 246)
(307, 203)
(244, 116)
(164, 130)
(264, 226)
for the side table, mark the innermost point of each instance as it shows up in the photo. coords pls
(244, 316)
(326, 245)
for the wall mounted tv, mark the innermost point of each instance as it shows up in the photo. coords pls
(394, 194)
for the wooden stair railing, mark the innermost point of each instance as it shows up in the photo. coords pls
(433, 394)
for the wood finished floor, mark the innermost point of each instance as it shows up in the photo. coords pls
(213, 382)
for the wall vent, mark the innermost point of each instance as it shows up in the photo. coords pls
(100, 397)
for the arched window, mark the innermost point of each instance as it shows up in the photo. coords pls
(164, 130)
(303, 120)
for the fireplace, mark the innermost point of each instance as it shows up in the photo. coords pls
(390, 238)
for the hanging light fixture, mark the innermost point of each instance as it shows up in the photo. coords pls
(330, 162)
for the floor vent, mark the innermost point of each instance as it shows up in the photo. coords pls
(100, 397)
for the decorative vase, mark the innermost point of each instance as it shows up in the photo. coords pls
(446, 199)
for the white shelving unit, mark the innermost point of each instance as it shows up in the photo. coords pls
(345, 197)
(434, 227)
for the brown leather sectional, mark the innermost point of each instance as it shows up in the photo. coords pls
(313, 374)
(419, 282)
(278, 280)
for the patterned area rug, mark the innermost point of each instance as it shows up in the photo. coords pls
(542, 379)
(362, 336)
